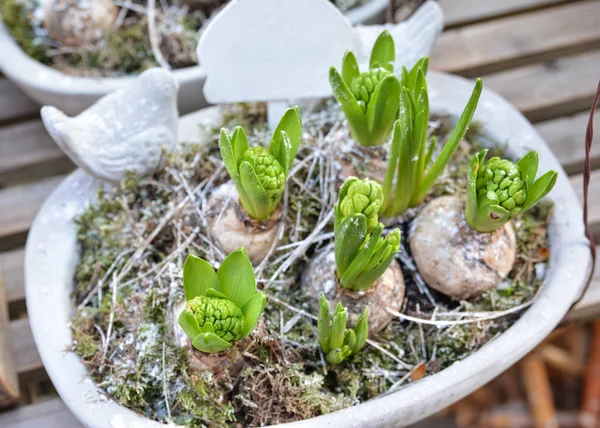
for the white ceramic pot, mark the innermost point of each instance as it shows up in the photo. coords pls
(73, 94)
(51, 257)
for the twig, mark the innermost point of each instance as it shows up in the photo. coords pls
(388, 353)
(479, 316)
(153, 35)
(302, 248)
(165, 389)
(111, 320)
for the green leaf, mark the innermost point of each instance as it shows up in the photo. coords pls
(210, 343)
(228, 156)
(323, 323)
(291, 123)
(208, 327)
(198, 277)
(383, 52)
(383, 109)
(490, 217)
(366, 279)
(356, 118)
(396, 201)
(336, 356)
(236, 278)
(451, 145)
(350, 68)
(540, 188)
(256, 202)
(338, 327)
(214, 293)
(430, 150)
(392, 166)
(349, 236)
(528, 165)
(252, 311)
(361, 259)
(188, 323)
(471, 206)
(284, 147)
(410, 79)
(361, 330)
(350, 339)
(239, 141)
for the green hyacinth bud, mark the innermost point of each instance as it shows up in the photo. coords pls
(364, 85)
(392, 242)
(226, 318)
(501, 179)
(268, 169)
(363, 196)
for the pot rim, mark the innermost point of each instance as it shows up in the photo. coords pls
(49, 273)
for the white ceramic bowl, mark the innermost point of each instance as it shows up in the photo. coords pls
(73, 94)
(52, 254)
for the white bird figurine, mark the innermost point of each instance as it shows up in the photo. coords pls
(124, 131)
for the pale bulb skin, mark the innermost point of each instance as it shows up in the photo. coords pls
(453, 258)
(78, 22)
(387, 292)
(233, 228)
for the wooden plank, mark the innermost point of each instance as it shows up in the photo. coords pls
(28, 153)
(566, 138)
(14, 104)
(51, 413)
(25, 353)
(9, 384)
(11, 270)
(19, 204)
(518, 40)
(460, 12)
(550, 90)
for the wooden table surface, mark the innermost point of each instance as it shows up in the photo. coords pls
(541, 55)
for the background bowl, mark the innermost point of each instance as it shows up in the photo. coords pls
(73, 94)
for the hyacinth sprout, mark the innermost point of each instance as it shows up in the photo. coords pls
(369, 99)
(409, 175)
(499, 190)
(362, 255)
(337, 342)
(223, 307)
(259, 175)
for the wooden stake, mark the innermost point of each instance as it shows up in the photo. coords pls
(538, 390)
(561, 360)
(590, 404)
(9, 386)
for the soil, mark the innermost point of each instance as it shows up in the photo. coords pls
(283, 376)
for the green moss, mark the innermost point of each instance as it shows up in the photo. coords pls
(283, 378)
(16, 15)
